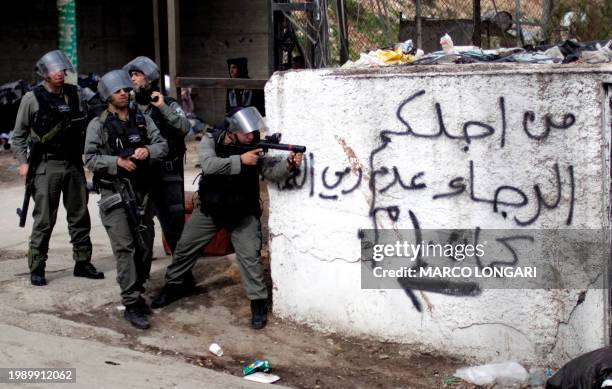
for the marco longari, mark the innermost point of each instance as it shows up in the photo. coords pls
(457, 272)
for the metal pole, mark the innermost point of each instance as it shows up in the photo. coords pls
(418, 23)
(311, 30)
(342, 30)
(323, 34)
(174, 45)
(157, 44)
(517, 16)
(476, 36)
(67, 31)
(319, 18)
(546, 14)
(271, 39)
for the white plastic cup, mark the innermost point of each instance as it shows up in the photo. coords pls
(216, 349)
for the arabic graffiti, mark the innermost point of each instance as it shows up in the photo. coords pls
(505, 199)
(487, 130)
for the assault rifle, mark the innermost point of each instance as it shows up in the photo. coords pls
(33, 161)
(134, 211)
(270, 142)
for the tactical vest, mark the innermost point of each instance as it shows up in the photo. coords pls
(60, 122)
(229, 198)
(123, 137)
(174, 137)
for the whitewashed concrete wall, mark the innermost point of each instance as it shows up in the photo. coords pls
(340, 115)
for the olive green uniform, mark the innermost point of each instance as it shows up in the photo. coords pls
(246, 237)
(133, 264)
(168, 188)
(55, 176)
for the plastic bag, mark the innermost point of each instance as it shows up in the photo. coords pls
(365, 60)
(447, 44)
(601, 55)
(555, 53)
(406, 47)
(392, 57)
(494, 373)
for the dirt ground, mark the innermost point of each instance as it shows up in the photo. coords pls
(305, 358)
(218, 312)
(8, 168)
(302, 357)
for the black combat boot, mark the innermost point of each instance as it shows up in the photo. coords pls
(37, 276)
(87, 270)
(169, 294)
(136, 318)
(189, 283)
(259, 310)
(144, 307)
(172, 292)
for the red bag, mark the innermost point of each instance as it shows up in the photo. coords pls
(220, 244)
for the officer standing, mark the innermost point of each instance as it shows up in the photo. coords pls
(51, 120)
(168, 188)
(120, 147)
(229, 198)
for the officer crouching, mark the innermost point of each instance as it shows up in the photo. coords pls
(229, 198)
(119, 148)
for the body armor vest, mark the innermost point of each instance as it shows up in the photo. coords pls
(123, 137)
(59, 124)
(174, 137)
(229, 198)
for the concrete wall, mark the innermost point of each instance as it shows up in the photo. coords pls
(314, 227)
(212, 32)
(28, 31)
(110, 33)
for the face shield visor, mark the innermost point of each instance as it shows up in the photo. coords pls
(246, 120)
(112, 81)
(55, 61)
(144, 65)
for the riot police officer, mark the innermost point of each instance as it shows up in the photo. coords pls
(51, 121)
(168, 188)
(229, 198)
(120, 147)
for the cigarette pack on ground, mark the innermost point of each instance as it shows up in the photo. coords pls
(258, 365)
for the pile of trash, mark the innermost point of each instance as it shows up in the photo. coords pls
(592, 370)
(258, 371)
(405, 53)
